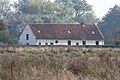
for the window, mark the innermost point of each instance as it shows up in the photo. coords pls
(69, 32)
(84, 42)
(27, 36)
(39, 43)
(46, 43)
(77, 43)
(56, 41)
(97, 42)
(93, 32)
(51, 43)
(69, 42)
(27, 43)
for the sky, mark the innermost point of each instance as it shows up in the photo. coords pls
(100, 7)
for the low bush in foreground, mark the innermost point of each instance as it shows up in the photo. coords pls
(59, 63)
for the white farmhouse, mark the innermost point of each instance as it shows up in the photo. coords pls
(61, 34)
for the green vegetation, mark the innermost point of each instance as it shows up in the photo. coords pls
(59, 63)
(5, 36)
(117, 38)
(110, 25)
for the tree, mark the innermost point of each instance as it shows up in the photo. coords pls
(117, 38)
(4, 8)
(44, 10)
(61, 11)
(5, 11)
(3, 24)
(110, 23)
(82, 11)
(65, 14)
(26, 6)
(5, 36)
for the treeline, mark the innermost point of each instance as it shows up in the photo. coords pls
(17, 15)
(110, 26)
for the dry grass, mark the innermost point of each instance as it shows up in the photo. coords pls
(59, 63)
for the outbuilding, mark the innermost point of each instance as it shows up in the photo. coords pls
(61, 34)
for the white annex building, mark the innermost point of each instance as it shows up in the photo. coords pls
(61, 34)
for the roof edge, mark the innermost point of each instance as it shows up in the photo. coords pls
(99, 30)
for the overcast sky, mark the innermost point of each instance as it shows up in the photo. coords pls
(101, 7)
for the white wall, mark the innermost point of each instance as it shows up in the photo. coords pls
(91, 42)
(44, 41)
(22, 38)
(65, 42)
(101, 42)
(73, 42)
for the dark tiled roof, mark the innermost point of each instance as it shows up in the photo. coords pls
(66, 31)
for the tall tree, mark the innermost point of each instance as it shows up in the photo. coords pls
(110, 23)
(25, 6)
(4, 8)
(3, 24)
(82, 10)
(117, 38)
(5, 36)
(67, 11)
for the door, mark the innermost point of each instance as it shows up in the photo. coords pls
(69, 42)
(97, 42)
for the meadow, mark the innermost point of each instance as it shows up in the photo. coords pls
(59, 63)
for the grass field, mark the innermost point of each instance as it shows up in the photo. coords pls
(59, 63)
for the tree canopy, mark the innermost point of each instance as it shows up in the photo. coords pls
(110, 24)
(82, 11)
(117, 38)
(61, 11)
(5, 36)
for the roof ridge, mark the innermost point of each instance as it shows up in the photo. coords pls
(60, 23)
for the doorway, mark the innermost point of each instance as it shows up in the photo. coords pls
(69, 42)
(97, 42)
